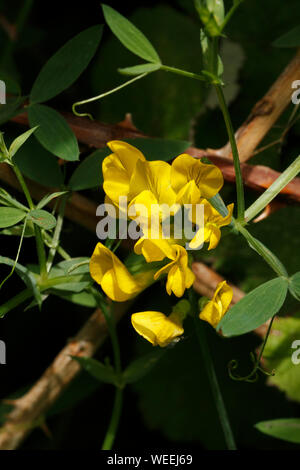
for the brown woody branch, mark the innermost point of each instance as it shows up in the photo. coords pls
(265, 113)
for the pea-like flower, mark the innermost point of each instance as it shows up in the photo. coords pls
(213, 221)
(157, 328)
(215, 309)
(192, 180)
(180, 276)
(113, 276)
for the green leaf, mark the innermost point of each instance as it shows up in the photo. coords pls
(10, 216)
(101, 372)
(255, 308)
(294, 286)
(153, 101)
(89, 173)
(141, 366)
(130, 36)
(159, 149)
(19, 141)
(35, 162)
(85, 299)
(281, 354)
(7, 200)
(17, 231)
(42, 218)
(65, 66)
(138, 69)
(290, 39)
(62, 269)
(53, 133)
(26, 275)
(48, 198)
(285, 429)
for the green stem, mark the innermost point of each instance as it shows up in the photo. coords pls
(38, 235)
(184, 73)
(15, 302)
(235, 154)
(263, 251)
(114, 422)
(57, 232)
(230, 13)
(117, 407)
(59, 249)
(213, 380)
(24, 187)
(113, 334)
(273, 190)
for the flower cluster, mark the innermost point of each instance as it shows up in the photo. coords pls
(158, 186)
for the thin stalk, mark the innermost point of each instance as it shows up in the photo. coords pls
(59, 249)
(212, 376)
(230, 13)
(117, 407)
(114, 421)
(263, 251)
(184, 73)
(15, 302)
(273, 190)
(113, 334)
(57, 232)
(235, 154)
(38, 234)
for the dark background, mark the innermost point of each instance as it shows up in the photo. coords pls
(173, 406)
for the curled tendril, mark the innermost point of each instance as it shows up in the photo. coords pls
(253, 376)
(98, 97)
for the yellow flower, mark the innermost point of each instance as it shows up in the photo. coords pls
(118, 168)
(113, 276)
(153, 178)
(192, 180)
(216, 308)
(154, 250)
(158, 328)
(180, 276)
(213, 221)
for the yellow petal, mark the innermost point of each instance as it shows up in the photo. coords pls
(113, 276)
(156, 327)
(154, 177)
(118, 167)
(216, 308)
(154, 250)
(224, 293)
(208, 178)
(214, 238)
(180, 276)
(211, 314)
